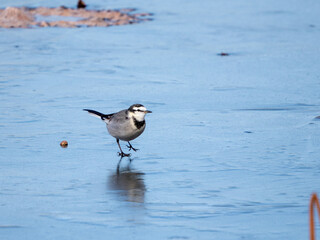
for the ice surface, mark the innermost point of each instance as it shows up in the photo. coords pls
(231, 150)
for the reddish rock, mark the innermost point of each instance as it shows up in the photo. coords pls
(64, 144)
(25, 17)
(13, 17)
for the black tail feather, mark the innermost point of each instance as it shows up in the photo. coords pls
(98, 114)
(94, 112)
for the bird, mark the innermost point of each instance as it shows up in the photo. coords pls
(125, 125)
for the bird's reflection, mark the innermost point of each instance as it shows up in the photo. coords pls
(129, 183)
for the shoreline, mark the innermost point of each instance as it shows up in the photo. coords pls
(24, 17)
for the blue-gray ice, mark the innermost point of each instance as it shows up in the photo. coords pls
(231, 150)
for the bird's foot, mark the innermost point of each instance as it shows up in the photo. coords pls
(122, 154)
(130, 147)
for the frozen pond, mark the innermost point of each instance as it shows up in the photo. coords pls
(231, 150)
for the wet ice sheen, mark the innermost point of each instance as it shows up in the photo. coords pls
(231, 150)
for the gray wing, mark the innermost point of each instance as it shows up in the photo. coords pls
(120, 126)
(120, 117)
(109, 118)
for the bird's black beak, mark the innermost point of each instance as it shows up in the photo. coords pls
(147, 111)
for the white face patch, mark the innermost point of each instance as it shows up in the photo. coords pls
(139, 109)
(138, 113)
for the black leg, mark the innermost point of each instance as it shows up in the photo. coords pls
(130, 147)
(121, 153)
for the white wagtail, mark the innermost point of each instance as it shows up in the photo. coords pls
(125, 125)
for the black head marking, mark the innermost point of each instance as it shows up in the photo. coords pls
(134, 106)
(138, 124)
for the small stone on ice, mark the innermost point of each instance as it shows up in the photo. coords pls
(64, 144)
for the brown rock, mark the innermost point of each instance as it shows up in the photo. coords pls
(81, 4)
(43, 24)
(13, 17)
(25, 17)
(64, 144)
